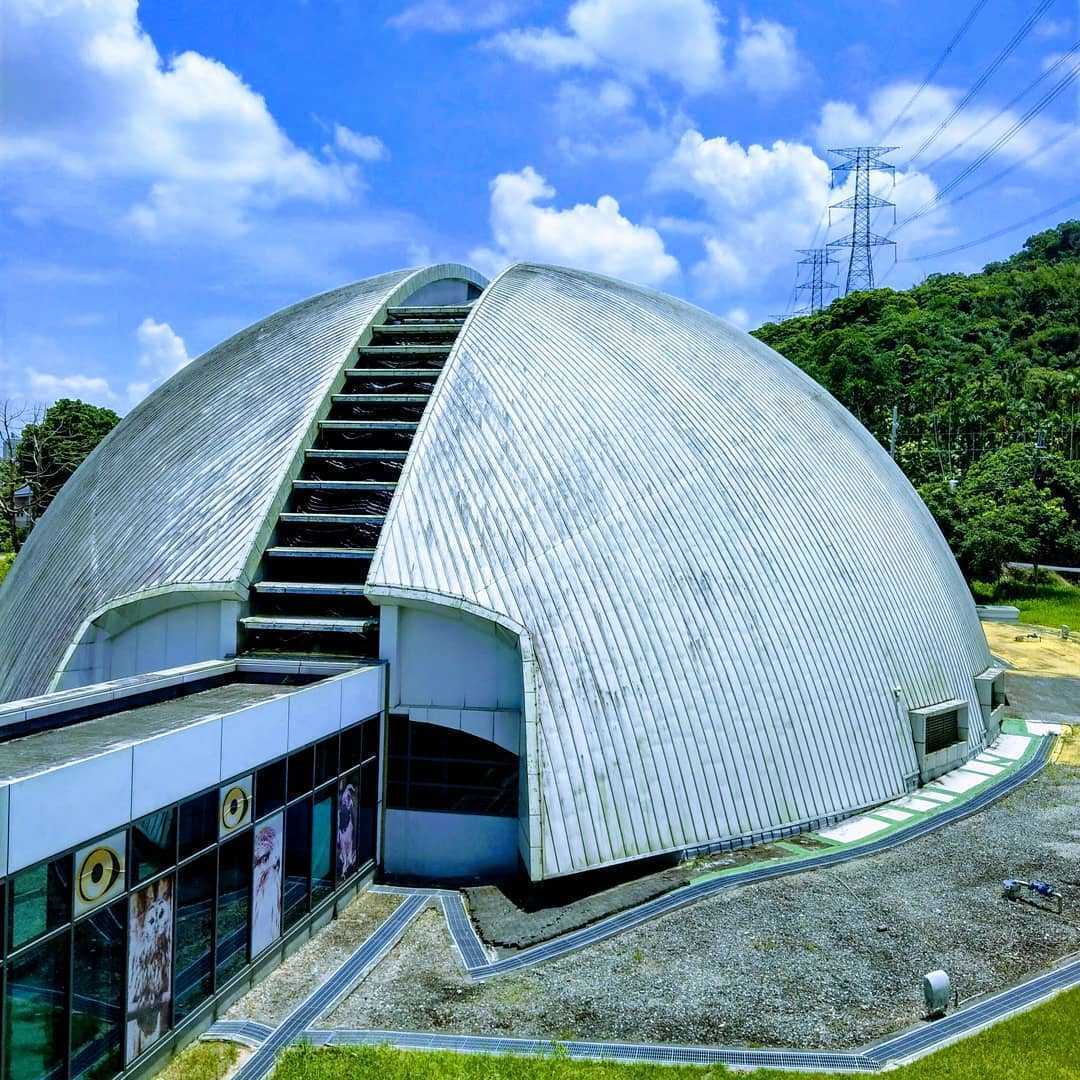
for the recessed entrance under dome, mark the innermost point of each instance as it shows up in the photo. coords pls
(451, 803)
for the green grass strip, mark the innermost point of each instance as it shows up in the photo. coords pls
(1041, 1044)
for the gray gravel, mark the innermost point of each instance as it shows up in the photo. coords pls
(826, 959)
(287, 985)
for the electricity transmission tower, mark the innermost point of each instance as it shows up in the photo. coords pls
(819, 260)
(863, 161)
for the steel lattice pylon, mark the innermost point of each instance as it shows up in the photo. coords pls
(819, 260)
(863, 161)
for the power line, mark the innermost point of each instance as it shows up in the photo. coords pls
(1064, 58)
(1046, 212)
(979, 5)
(1007, 51)
(997, 144)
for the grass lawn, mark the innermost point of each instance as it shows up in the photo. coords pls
(1042, 1044)
(202, 1061)
(1053, 602)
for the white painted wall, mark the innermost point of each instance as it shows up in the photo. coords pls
(122, 644)
(420, 844)
(453, 661)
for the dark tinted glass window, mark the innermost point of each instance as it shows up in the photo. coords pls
(369, 738)
(270, 788)
(198, 823)
(98, 1003)
(297, 862)
(153, 844)
(300, 772)
(352, 747)
(40, 900)
(35, 1010)
(234, 904)
(366, 818)
(194, 978)
(322, 836)
(326, 760)
(439, 769)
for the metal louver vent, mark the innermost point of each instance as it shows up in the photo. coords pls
(942, 730)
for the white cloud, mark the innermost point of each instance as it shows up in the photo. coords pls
(637, 39)
(445, 17)
(767, 59)
(184, 143)
(738, 316)
(162, 353)
(679, 40)
(43, 384)
(761, 204)
(364, 147)
(592, 236)
(845, 124)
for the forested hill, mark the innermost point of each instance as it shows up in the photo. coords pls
(977, 365)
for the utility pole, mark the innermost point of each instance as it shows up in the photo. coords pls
(819, 260)
(863, 161)
(1040, 446)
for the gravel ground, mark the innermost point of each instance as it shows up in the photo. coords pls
(288, 984)
(830, 958)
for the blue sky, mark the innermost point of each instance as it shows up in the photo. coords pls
(176, 170)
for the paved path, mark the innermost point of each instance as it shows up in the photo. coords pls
(479, 964)
(326, 996)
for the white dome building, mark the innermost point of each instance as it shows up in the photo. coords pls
(642, 586)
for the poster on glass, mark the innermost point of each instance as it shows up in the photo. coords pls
(348, 809)
(150, 947)
(266, 887)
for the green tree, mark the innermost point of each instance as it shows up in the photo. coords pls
(42, 450)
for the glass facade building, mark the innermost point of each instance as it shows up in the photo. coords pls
(108, 948)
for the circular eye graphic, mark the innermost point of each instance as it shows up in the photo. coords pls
(234, 808)
(98, 874)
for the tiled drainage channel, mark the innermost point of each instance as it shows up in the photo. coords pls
(333, 990)
(297, 1025)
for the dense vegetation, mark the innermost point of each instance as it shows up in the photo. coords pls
(979, 369)
(43, 450)
(1041, 1043)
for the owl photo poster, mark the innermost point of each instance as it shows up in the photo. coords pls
(150, 947)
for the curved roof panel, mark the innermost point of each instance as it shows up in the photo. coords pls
(732, 593)
(179, 491)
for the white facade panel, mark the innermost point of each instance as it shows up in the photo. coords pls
(421, 844)
(254, 735)
(64, 807)
(175, 765)
(314, 712)
(362, 694)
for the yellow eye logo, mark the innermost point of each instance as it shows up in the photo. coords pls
(235, 807)
(100, 871)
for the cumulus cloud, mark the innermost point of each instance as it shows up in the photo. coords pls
(162, 353)
(43, 384)
(843, 123)
(767, 59)
(445, 17)
(595, 236)
(761, 203)
(364, 147)
(184, 142)
(678, 39)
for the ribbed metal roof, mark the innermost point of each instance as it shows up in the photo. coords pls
(178, 493)
(733, 594)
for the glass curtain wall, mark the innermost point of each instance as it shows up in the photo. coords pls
(104, 950)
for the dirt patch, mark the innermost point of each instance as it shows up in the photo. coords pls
(1042, 698)
(506, 920)
(286, 986)
(828, 958)
(1048, 654)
